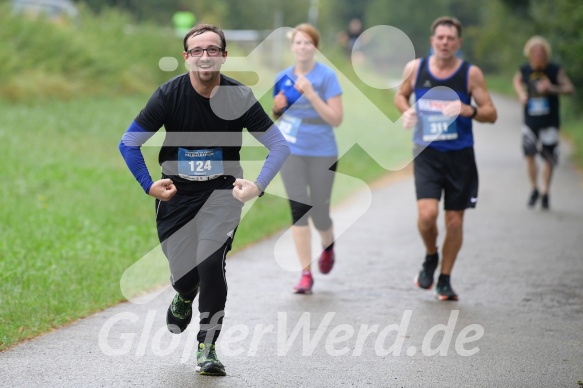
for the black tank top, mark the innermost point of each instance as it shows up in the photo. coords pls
(541, 111)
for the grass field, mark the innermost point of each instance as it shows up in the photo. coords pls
(72, 218)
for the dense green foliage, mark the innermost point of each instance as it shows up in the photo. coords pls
(102, 52)
(489, 24)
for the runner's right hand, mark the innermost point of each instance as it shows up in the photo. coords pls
(163, 189)
(409, 118)
(279, 102)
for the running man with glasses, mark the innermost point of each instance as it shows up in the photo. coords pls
(202, 190)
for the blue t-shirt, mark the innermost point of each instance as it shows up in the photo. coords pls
(306, 132)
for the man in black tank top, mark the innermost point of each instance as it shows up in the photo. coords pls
(538, 85)
(444, 155)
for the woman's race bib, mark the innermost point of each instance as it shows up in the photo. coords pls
(289, 127)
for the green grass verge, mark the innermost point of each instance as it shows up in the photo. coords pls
(72, 219)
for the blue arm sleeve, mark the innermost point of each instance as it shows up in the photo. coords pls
(130, 145)
(278, 148)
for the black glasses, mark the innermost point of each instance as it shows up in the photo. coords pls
(212, 51)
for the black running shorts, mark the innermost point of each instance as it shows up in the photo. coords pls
(453, 172)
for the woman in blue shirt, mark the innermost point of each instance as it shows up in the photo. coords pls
(308, 105)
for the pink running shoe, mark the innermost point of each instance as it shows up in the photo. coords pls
(305, 285)
(326, 261)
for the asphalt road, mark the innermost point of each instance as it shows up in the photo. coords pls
(519, 321)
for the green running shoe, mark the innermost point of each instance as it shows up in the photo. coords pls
(179, 314)
(207, 361)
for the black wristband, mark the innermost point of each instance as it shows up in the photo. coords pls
(260, 189)
(475, 112)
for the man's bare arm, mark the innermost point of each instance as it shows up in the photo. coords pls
(409, 118)
(519, 88)
(406, 89)
(565, 85)
(486, 112)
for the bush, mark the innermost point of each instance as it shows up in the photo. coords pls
(104, 54)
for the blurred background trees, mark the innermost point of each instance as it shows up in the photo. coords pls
(495, 31)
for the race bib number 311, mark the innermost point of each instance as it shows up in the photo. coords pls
(436, 127)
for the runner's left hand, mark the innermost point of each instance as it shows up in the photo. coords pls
(304, 86)
(244, 190)
(454, 109)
